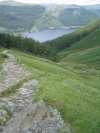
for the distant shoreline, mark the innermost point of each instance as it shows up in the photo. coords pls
(48, 34)
(52, 28)
(68, 27)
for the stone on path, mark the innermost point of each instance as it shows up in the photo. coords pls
(35, 119)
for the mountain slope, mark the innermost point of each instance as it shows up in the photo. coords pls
(11, 3)
(76, 16)
(63, 16)
(17, 18)
(65, 41)
(73, 85)
(84, 55)
(73, 93)
(83, 48)
(93, 8)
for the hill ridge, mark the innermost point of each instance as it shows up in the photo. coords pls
(12, 3)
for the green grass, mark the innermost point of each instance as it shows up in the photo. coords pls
(75, 94)
(7, 117)
(88, 42)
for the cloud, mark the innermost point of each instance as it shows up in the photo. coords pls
(78, 2)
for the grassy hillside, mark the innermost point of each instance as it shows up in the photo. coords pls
(92, 41)
(65, 41)
(74, 93)
(83, 56)
(72, 85)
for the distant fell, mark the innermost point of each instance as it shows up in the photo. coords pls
(17, 17)
(11, 3)
(93, 8)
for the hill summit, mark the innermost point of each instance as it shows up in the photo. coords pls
(11, 3)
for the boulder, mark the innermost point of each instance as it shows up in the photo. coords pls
(36, 119)
(25, 120)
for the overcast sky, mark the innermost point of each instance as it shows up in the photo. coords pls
(78, 2)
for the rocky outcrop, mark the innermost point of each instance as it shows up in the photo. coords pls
(36, 119)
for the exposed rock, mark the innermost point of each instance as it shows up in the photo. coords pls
(35, 119)
(85, 72)
(21, 99)
(3, 112)
(25, 119)
(1, 128)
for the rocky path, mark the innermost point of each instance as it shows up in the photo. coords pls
(26, 117)
(36, 119)
(11, 74)
(21, 99)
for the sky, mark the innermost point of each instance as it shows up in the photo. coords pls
(77, 2)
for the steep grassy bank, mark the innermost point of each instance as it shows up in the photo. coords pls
(74, 93)
(66, 41)
(83, 56)
(90, 41)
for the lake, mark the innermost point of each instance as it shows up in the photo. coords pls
(45, 35)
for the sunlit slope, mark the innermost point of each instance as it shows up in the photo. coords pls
(86, 50)
(75, 95)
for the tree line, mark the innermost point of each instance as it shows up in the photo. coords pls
(28, 45)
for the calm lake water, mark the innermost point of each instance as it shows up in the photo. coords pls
(45, 35)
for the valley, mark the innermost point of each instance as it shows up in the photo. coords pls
(30, 18)
(72, 85)
(51, 86)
